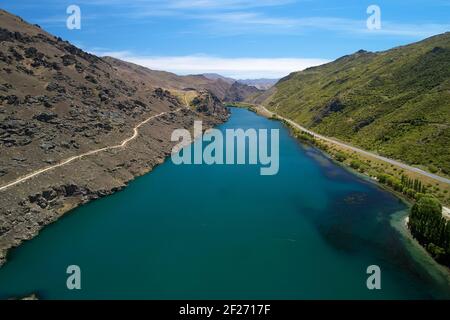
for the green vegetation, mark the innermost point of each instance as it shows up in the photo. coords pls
(339, 156)
(413, 189)
(300, 134)
(355, 164)
(393, 179)
(430, 228)
(396, 103)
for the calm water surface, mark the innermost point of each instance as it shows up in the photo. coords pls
(190, 232)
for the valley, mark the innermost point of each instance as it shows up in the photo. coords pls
(348, 166)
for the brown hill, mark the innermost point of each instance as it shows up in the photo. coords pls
(225, 89)
(168, 80)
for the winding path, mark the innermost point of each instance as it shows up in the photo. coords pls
(361, 151)
(123, 144)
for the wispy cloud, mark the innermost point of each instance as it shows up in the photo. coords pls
(359, 27)
(409, 30)
(192, 4)
(232, 17)
(238, 68)
(250, 18)
(60, 20)
(225, 4)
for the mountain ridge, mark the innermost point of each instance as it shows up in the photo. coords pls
(261, 84)
(222, 87)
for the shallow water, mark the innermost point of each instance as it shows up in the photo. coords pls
(198, 231)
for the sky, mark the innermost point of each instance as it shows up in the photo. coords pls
(236, 38)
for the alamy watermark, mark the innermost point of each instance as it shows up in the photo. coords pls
(74, 19)
(374, 20)
(237, 146)
(374, 280)
(73, 281)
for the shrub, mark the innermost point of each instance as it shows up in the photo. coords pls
(340, 156)
(433, 168)
(355, 164)
(436, 252)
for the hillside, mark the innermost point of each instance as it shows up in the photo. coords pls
(239, 92)
(215, 76)
(226, 89)
(396, 103)
(57, 102)
(168, 80)
(261, 84)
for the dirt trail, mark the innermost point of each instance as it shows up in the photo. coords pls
(123, 144)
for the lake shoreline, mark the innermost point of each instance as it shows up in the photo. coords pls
(84, 194)
(408, 202)
(399, 195)
(314, 220)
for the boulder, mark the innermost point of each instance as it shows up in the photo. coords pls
(46, 116)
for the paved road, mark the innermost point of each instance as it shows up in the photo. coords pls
(397, 163)
(123, 144)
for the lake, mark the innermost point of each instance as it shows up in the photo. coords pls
(226, 232)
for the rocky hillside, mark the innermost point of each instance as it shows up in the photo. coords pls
(209, 104)
(57, 102)
(239, 92)
(261, 84)
(396, 103)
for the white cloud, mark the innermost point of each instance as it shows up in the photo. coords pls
(233, 17)
(225, 4)
(243, 16)
(238, 68)
(250, 18)
(409, 30)
(192, 4)
(245, 22)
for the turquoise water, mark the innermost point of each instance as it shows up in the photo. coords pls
(198, 231)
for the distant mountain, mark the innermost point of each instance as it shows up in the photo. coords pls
(168, 80)
(396, 102)
(261, 84)
(223, 88)
(215, 76)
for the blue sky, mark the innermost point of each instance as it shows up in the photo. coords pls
(238, 38)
